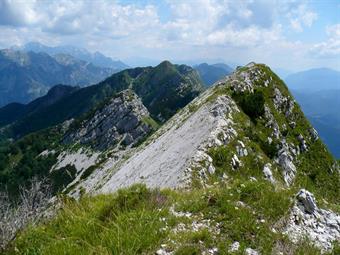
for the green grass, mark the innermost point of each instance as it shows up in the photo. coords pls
(128, 222)
(137, 220)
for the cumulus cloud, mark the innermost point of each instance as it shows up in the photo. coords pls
(330, 47)
(300, 16)
(193, 22)
(18, 13)
(180, 29)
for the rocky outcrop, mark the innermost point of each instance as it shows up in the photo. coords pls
(120, 121)
(306, 220)
(285, 160)
(268, 174)
(314, 134)
(282, 103)
(271, 123)
(169, 160)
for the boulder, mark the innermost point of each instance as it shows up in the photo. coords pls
(268, 173)
(306, 220)
(250, 251)
(285, 160)
(234, 247)
(306, 201)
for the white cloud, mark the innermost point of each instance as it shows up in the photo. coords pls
(190, 29)
(18, 13)
(330, 47)
(301, 16)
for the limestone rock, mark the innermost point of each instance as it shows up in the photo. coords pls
(303, 144)
(119, 121)
(268, 173)
(306, 201)
(314, 134)
(282, 103)
(234, 247)
(235, 162)
(271, 122)
(250, 251)
(285, 160)
(320, 226)
(241, 149)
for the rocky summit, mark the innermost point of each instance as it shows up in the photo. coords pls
(238, 170)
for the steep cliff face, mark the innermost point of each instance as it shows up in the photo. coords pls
(163, 89)
(123, 120)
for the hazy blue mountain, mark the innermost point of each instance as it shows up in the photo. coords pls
(224, 66)
(212, 73)
(318, 93)
(322, 109)
(97, 58)
(25, 76)
(282, 72)
(314, 80)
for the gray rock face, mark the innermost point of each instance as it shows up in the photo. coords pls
(241, 149)
(285, 160)
(320, 226)
(314, 134)
(250, 251)
(303, 143)
(234, 247)
(282, 103)
(271, 122)
(306, 201)
(118, 122)
(235, 162)
(268, 173)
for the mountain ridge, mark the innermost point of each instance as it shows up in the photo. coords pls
(239, 158)
(318, 92)
(25, 76)
(212, 73)
(163, 89)
(96, 58)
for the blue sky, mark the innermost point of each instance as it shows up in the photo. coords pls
(289, 34)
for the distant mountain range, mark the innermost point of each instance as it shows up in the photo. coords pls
(163, 89)
(318, 93)
(314, 80)
(25, 76)
(97, 58)
(212, 73)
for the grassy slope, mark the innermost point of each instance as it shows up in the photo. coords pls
(138, 221)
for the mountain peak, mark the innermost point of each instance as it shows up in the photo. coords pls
(165, 64)
(97, 58)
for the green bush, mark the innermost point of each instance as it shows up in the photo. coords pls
(251, 103)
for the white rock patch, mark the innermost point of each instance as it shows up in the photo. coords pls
(163, 162)
(320, 226)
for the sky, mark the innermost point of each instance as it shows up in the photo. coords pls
(288, 34)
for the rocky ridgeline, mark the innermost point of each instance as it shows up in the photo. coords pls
(120, 122)
(212, 139)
